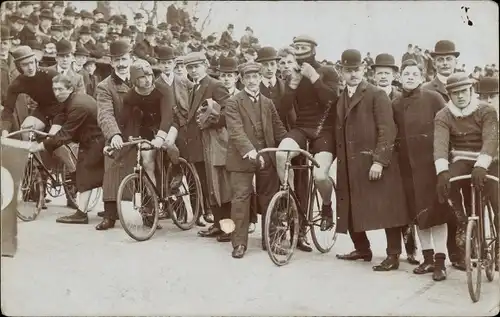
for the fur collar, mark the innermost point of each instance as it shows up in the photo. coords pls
(467, 111)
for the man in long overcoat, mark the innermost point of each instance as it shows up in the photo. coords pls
(253, 124)
(109, 96)
(369, 191)
(210, 166)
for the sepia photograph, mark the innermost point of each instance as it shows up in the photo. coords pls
(249, 158)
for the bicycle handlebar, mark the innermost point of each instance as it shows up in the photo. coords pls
(26, 131)
(109, 150)
(462, 177)
(309, 156)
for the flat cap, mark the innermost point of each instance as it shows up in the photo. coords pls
(250, 67)
(458, 80)
(194, 58)
(305, 39)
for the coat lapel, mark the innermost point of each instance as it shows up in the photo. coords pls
(356, 98)
(246, 105)
(439, 86)
(198, 95)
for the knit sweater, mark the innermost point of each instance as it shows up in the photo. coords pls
(474, 130)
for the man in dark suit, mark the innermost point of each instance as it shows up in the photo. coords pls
(64, 60)
(365, 135)
(191, 143)
(445, 60)
(384, 71)
(313, 90)
(253, 124)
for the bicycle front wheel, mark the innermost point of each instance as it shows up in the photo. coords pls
(281, 229)
(473, 265)
(491, 242)
(137, 206)
(31, 193)
(183, 194)
(323, 240)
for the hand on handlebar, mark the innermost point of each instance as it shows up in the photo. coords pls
(117, 142)
(252, 155)
(157, 142)
(443, 186)
(478, 177)
(36, 147)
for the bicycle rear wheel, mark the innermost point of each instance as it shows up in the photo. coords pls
(490, 240)
(183, 188)
(323, 240)
(473, 265)
(281, 230)
(137, 206)
(31, 193)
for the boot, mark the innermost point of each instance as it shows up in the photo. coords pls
(428, 265)
(390, 263)
(439, 273)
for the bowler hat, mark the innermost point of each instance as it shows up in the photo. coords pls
(197, 36)
(86, 15)
(266, 53)
(151, 30)
(127, 32)
(22, 52)
(81, 51)
(113, 31)
(64, 47)
(227, 65)
(458, 80)
(250, 67)
(5, 33)
(119, 48)
(194, 58)
(138, 16)
(46, 14)
(351, 58)
(385, 60)
(165, 53)
(56, 28)
(17, 17)
(102, 21)
(69, 11)
(84, 30)
(445, 47)
(487, 85)
(94, 27)
(34, 19)
(179, 60)
(305, 39)
(230, 26)
(67, 25)
(248, 29)
(184, 37)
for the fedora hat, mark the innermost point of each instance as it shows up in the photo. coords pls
(457, 80)
(64, 47)
(165, 53)
(119, 48)
(227, 65)
(266, 53)
(445, 47)
(385, 60)
(351, 58)
(22, 52)
(487, 85)
(5, 33)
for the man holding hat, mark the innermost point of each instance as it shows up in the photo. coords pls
(470, 129)
(253, 124)
(64, 59)
(312, 90)
(445, 61)
(194, 148)
(109, 95)
(369, 192)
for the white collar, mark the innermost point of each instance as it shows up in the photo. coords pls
(269, 82)
(124, 78)
(233, 91)
(199, 81)
(442, 78)
(467, 111)
(62, 71)
(252, 94)
(168, 79)
(387, 89)
(351, 90)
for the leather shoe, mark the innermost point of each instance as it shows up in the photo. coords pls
(224, 237)
(411, 259)
(303, 245)
(79, 217)
(356, 255)
(390, 263)
(208, 217)
(105, 224)
(459, 265)
(199, 223)
(238, 251)
(211, 232)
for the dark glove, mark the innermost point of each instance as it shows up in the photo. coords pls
(443, 186)
(478, 177)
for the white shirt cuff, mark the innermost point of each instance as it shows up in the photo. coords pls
(483, 161)
(441, 165)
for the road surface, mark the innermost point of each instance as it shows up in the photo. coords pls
(74, 270)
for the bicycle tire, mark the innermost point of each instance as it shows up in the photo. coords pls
(122, 198)
(489, 267)
(69, 188)
(32, 180)
(177, 218)
(273, 213)
(315, 221)
(472, 244)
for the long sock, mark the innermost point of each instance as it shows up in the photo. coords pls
(425, 237)
(439, 235)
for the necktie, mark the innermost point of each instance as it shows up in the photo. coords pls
(195, 87)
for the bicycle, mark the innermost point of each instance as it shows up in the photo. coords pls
(480, 244)
(36, 176)
(146, 203)
(283, 218)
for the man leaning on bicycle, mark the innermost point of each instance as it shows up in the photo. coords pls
(466, 131)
